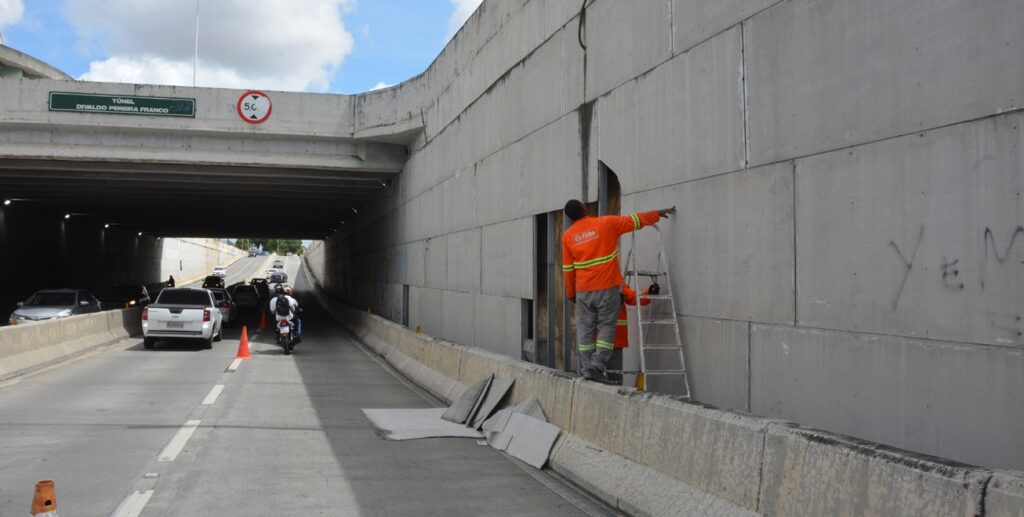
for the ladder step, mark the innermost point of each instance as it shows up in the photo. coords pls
(656, 296)
(659, 322)
(665, 372)
(662, 347)
(646, 273)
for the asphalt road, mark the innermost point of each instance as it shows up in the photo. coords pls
(173, 432)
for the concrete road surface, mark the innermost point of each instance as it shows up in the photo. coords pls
(172, 432)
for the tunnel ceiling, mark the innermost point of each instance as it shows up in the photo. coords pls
(193, 200)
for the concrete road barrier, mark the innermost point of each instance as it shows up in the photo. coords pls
(28, 347)
(811, 472)
(1005, 495)
(652, 454)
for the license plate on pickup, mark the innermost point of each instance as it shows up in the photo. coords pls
(175, 324)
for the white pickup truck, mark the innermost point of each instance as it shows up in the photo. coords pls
(183, 313)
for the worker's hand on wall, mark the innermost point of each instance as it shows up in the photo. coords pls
(665, 212)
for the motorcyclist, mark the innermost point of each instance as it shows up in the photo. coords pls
(298, 313)
(282, 306)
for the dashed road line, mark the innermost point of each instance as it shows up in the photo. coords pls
(133, 505)
(178, 442)
(234, 365)
(214, 393)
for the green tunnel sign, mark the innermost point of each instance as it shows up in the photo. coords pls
(123, 104)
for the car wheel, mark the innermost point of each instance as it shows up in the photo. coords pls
(148, 343)
(207, 343)
(219, 336)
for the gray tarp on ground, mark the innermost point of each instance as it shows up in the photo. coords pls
(410, 424)
(495, 394)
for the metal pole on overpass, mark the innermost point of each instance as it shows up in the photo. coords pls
(195, 57)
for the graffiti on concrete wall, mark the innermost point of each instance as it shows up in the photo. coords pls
(998, 252)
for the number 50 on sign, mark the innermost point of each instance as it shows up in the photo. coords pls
(254, 107)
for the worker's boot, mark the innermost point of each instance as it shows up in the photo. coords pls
(585, 364)
(598, 364)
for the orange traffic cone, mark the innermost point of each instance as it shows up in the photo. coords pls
(45, 500)
(243, 345)
(263, 320)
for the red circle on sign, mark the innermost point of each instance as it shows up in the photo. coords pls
(254, 119)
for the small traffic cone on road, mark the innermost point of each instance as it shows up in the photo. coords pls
(263, 320)
(45, 501)
(243, 345)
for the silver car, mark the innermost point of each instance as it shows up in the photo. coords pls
(54, 303)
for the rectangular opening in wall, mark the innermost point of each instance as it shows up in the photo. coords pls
(541, 257)
(405, 305)
(529, 349)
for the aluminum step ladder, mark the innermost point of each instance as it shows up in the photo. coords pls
(660, 313)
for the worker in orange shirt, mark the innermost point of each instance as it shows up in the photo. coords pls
(622, 326)
(590, 266)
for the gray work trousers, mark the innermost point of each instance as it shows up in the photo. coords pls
(597, 313)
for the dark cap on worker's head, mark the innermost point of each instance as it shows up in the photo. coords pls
(575, 210)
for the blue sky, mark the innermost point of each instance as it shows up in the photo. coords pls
(338, 46)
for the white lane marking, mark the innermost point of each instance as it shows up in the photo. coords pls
(178, 442)
(235, 363)
(214, 393)
(133, 504)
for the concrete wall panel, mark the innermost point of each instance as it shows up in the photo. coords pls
(497, 325)
(429, 313)
(625, 39)
(681, 121)
(931, 397)
(458, 317)
(917, 236)
(459, 208)
(694, 21)
(716, 354)
(551, 166)
(464, 261)
(825, 75)
(436, 252)
(730, 245)
(507, 268)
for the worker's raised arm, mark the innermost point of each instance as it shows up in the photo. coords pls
(568, 272)
(633, 222)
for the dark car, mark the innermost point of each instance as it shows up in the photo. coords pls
(278, 277)
(262, 286)
(53, 304)
(126, 296)
(213, 281)
(245, 296)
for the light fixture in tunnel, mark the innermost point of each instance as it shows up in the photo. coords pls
(7, 202)
(140, 234)
(106, 226)
(67, 216)
(354, 211)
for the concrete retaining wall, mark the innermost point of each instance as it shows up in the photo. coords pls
(28, 347)
(650, 454)
(848, 177)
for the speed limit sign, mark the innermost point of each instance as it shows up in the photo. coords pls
(254, 107)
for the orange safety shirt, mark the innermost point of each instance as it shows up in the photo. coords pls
(622, 324)
(590, 250)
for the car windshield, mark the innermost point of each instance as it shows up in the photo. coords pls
(219, 295)
(51, 300)
(183, 297)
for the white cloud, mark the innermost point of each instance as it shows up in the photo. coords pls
(463, 10)
(269, 44)
(10, 12)
(380, 86)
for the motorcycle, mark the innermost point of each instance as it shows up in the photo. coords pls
(286, 336)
